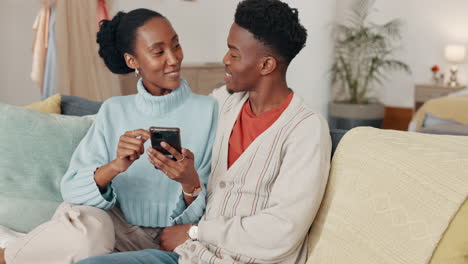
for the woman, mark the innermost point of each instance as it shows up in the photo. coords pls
(114, 167)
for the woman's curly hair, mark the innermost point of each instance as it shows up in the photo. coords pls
(117, 37)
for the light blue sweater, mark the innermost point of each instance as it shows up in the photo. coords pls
(146, 196)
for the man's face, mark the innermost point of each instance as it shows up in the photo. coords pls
(243, 60)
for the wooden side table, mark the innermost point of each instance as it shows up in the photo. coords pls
(425, 92)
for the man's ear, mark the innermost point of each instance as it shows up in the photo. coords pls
(131, 61)
(268, 65)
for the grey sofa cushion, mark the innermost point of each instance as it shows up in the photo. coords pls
(446, 129)
(77, 106)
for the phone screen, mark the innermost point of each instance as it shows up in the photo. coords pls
(170, 135)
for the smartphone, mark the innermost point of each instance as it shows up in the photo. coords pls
(170, 135)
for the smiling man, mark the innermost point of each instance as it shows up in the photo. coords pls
(271, 154)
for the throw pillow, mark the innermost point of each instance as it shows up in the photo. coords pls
(77, 106)
(432, 120)
(49, 105)
(36, 150)
(446, 129)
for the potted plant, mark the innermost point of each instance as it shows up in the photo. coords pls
(363, 55)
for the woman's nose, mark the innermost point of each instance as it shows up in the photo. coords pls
(172, 58)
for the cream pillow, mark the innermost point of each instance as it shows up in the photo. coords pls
(49, 105)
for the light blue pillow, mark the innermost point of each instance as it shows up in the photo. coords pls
(432, 120)
(35, 152)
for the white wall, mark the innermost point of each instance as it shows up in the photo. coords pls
(429, 26)
(16, 21)
(308, 73)
(203, 26)
(193, 20)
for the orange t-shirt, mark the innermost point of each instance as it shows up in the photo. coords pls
(248, 127)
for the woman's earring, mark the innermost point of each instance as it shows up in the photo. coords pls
(137, 73)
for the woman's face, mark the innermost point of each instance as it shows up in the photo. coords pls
(158, 55)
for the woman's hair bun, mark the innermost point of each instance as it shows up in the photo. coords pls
(109, 49)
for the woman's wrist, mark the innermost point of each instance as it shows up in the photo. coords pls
(190, 188)
(114, 167)
(104, 175)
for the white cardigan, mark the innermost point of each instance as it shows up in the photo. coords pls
(260, 209)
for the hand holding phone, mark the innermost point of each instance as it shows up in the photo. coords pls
(175, 162)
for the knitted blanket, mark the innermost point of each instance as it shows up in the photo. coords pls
(390, 197)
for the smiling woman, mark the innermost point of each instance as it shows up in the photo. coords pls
(116, 169)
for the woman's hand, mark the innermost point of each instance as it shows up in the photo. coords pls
(182, 170)
(130, 148)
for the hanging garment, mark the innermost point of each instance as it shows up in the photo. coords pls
(50, 74)
(80, 69)
(102, 12)
(40, 27)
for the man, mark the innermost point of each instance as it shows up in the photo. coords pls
(271, 154)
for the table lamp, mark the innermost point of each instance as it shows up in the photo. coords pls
(455, 54)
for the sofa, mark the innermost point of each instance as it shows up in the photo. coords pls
(392, 197)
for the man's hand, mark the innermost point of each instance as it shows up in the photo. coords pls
(174, 236)
(2, 256)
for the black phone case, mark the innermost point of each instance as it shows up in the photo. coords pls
(170, 135)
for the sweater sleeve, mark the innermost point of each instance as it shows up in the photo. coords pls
(183, 214)
(78, 185)
(271, 235)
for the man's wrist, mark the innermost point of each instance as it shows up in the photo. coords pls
(193, 232)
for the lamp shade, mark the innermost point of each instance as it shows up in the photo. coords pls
(455, 53)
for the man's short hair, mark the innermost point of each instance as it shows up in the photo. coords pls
(273, 23)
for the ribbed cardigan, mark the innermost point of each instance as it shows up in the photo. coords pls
(260, 209)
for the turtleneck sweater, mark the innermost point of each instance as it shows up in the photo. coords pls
(146, 196)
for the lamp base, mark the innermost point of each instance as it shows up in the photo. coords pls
(453, 82)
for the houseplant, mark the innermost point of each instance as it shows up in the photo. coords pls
(363, 55)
